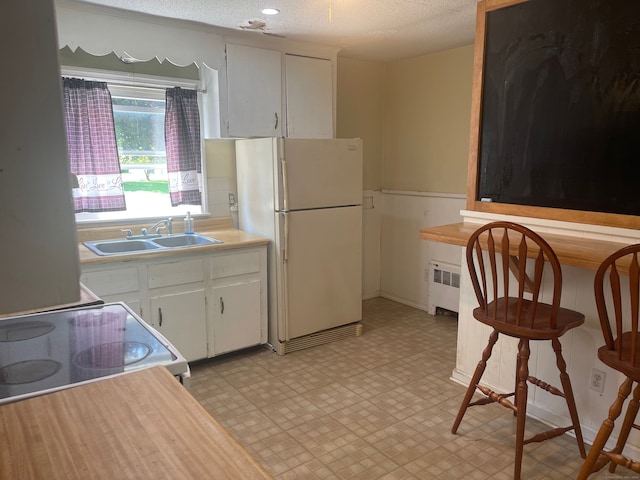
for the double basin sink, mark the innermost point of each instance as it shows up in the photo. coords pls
(137, 245)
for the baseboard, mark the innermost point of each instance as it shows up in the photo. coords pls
(404, 301)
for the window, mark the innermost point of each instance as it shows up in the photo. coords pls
(138, 114)
(139, 120)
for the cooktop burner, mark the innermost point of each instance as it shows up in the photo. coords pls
(110, 355)
(28, 371)
(16, 332)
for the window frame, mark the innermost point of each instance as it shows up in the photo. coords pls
(128, 80)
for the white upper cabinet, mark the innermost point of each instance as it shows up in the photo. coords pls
(271, 94)
(309, 97)
(254, 92)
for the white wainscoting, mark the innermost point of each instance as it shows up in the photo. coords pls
(404, 257)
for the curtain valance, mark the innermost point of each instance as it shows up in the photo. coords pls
(100, 31)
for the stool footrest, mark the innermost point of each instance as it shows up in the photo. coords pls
(545, 386)
(541, 437)
(501, 398)
(623, 461)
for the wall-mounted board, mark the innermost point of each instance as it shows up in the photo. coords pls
(556, 127)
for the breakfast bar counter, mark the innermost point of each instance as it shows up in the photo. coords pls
(571, 250)
(137, 425)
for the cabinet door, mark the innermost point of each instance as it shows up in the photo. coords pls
(181, 318)
(236, 317)
(309, 97)
(254, 97)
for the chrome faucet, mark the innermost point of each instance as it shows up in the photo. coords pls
(166, 223)
(148, 232)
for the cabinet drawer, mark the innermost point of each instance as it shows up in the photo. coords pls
(175, 273)
(236, 264)
(112, 281)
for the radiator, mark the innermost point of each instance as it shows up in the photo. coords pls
(443, 287)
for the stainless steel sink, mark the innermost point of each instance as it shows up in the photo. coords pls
(124, 246)
(187, 240)
(115, 247)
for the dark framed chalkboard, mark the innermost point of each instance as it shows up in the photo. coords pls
(557, 109)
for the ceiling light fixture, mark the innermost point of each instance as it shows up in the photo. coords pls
(270, 11)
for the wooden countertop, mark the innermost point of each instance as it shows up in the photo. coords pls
(219, 228)
(574, 251)
(139, 425)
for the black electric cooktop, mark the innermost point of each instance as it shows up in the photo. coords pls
(44, 352)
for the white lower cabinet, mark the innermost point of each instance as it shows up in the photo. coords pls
(181, 317)
(205, 305)
(239, 300)
(177, 304)
(236, 316)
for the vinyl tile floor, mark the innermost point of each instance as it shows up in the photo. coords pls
(378, 406)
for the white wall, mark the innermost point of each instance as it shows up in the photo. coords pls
(405, 257)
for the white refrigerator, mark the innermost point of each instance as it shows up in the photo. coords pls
(305, 195)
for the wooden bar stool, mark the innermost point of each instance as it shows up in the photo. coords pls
(621, 352)
(495, 252)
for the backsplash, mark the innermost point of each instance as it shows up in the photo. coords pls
(218, 189)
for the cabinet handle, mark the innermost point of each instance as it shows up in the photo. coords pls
(160, 316)
(221, 306)
(276, 125)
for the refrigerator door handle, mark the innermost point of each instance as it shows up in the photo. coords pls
(285, 253)
(285, 182)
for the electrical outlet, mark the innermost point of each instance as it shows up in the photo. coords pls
(596, 382)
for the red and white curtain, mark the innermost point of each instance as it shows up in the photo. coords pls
(93, 151)
(182, 141)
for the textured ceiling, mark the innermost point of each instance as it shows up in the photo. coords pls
(376, 30)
